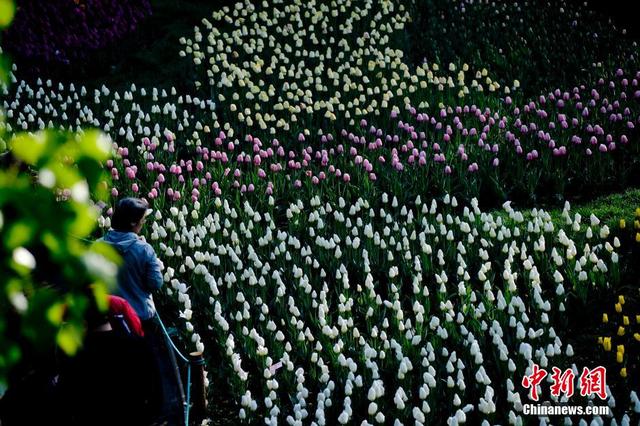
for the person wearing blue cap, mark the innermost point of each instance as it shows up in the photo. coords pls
(138, 276)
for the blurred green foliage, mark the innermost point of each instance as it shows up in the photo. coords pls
(7, 11)
(49, 271)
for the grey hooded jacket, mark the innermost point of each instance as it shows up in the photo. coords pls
(140, 274)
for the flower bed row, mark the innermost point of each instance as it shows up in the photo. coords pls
(377, 311)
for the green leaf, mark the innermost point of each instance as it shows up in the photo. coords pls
(19, 234)
(27, 147)
(95, 145)
(55, 313)
(93, 172)
(13, 354)
(7, 12)
(5, 66)
(52, 243)
(84, 221)
(66, 176)
(102, 297)
(69, 338)
(36, 325)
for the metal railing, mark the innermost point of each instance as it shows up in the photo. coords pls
(194, 360)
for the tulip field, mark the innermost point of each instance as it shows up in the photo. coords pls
(355, 237)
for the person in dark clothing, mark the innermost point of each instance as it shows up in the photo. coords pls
(138, 277)
(33, 400)
(111, 380)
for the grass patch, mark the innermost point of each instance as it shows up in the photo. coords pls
(609, 209)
